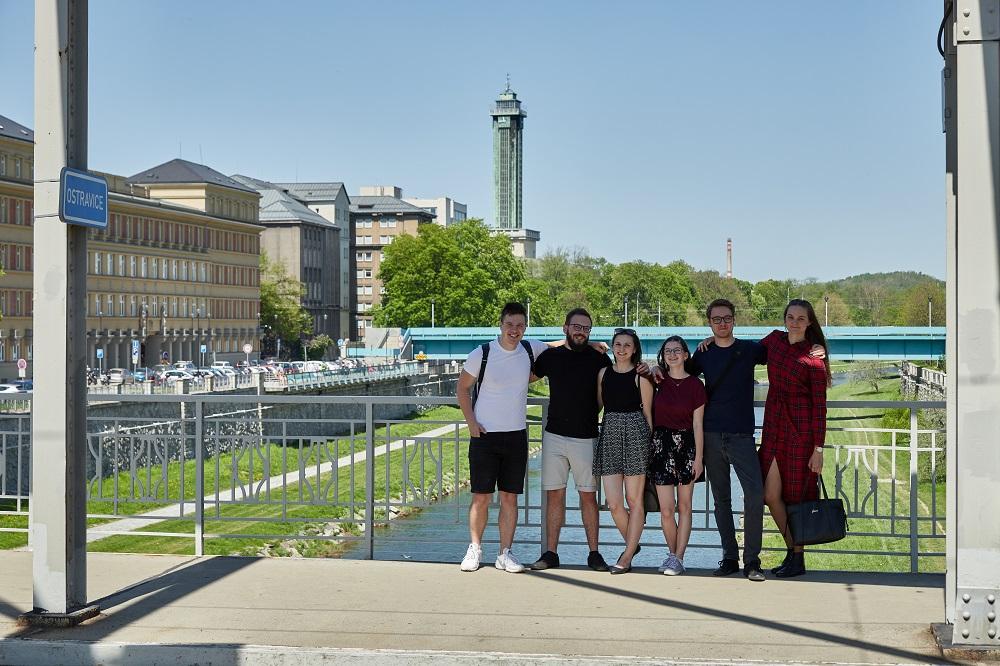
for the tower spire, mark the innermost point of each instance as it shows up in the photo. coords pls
(508, 82)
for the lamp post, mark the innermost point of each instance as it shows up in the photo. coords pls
(930, 310)
(100, 334)
(432, 313)
(826, 309)
(528, 318)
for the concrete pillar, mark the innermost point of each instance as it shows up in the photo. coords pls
(58, 485)
(974, 330)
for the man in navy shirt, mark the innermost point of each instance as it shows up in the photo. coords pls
(728, 366)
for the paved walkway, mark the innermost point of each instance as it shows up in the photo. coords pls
(286, 611)
(278, 481)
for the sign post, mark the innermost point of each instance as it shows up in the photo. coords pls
(247, 348)
(204, 348)
(22, 367)
(100, 360)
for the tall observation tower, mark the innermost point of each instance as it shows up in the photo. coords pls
(508, 146)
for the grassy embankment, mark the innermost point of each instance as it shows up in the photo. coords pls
(873, 497)
(290, 510)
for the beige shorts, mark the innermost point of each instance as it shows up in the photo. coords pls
(560, 455)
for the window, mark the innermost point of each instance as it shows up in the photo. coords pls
(385, 240)
(3, 349)
(18, 258)
(121, 265)
(163, 271)
(17, 174)
(184, 270)
(204, 276)
(173, 273)
(29, 351)
(111, 264)
(18, 213)
(3, 208)
(97, 263)
(109, 311)
(3, 165)
(173, 307)
(131, 266)
(97, 306)
(17, 348)
(184, 308)
(18, 305)
(145, 266)
(132, 308)
(121, 305)
(389, 223)
(154, 310)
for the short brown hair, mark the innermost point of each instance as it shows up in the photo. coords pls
(719, 303)
(578, 311)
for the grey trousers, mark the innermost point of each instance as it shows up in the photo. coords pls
(723, 449)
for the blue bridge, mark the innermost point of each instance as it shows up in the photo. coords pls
(846, 342)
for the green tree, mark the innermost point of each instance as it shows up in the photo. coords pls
(913, 310)
(317, 346)
(281, 311)
(468, 273)
(564, 279)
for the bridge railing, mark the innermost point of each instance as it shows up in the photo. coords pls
(356, 476)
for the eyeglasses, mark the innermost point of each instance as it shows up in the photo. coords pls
(630, 331)
(580, 328)
(673, 351)
(728, 319)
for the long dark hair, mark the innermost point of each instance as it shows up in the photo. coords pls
(661, 359)
(636, 357)
(814, 332)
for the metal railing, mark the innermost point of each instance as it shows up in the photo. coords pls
(355, 476)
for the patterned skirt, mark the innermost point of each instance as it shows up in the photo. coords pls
(623, 447)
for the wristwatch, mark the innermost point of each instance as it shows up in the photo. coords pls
(819, 449)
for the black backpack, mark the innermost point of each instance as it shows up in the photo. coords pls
(482, 366)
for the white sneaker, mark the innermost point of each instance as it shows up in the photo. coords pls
(472, 558)
(675, 567)
(506, 561)
(666, 563)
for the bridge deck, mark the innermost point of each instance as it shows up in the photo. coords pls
(217, 609)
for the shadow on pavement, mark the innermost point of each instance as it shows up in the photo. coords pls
(913, 657)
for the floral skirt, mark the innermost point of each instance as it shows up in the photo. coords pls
(671, 462)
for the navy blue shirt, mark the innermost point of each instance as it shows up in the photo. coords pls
(730, 404)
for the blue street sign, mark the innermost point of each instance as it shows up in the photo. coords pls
(204, 348)
(83, 199)
(100, 353)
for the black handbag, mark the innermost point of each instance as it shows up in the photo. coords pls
(817, 521)
(650, 502)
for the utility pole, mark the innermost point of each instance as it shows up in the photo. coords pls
(59, 422)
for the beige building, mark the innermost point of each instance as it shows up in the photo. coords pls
(378, 220)
(444, 209)
(176, 268)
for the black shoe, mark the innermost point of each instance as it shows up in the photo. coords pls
(548, 560)
(596, 561)
(727, 567)
(615, 569)
(796, 566)
(788, 556)
(753, 572)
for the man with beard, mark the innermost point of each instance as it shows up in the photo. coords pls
(570, 433)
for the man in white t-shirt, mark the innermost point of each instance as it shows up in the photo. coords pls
(498, 435)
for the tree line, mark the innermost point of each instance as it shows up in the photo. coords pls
(465, 274)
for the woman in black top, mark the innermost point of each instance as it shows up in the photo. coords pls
(621, 454)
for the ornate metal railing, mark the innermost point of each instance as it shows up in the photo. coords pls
(334, 475)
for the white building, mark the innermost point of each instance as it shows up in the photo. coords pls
(445, 210)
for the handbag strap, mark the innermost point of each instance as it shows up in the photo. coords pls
(822, 486)
(737, 351)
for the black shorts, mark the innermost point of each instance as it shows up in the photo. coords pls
(497, 460)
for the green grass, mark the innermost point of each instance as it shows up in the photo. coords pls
(859, 487)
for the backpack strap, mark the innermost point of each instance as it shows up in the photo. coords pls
(531, 354)
(482, 372)
(737, 352)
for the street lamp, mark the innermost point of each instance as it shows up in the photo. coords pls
(826, 308)
(528, 318)
(930, 310)
(432, 313)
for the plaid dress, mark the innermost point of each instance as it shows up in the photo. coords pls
(794, 415)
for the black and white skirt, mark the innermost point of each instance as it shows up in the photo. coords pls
(623, 447)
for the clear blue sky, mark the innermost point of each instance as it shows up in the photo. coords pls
(808, 132)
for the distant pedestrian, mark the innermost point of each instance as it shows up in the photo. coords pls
(622, 452)
(499, 371)
(677, 455)
(791, 450)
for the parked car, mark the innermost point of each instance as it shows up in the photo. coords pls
(24, 385)
(222, 364)
(8, 388)
(184, 365)
(118, 375)
(177, 375)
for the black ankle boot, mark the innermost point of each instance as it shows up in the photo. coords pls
(796, 566)
(784, 562)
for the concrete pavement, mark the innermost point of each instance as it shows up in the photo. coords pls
(288, 611)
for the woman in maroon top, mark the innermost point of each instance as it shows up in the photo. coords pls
(676, 458)
(791, 450)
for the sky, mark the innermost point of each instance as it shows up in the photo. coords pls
(808, 132)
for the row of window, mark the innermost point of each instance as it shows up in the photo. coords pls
(231, 208)
(138, 228)
(15, 211)
(370, 240)
(15, 257)
(154, 307)
(367, 255)
(16, 302)
(15, 346)
(384, 223)
(14, 166)
(162, 268)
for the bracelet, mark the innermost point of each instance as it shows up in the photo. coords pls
(819, 449)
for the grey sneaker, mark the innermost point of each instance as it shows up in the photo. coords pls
(506, 561)
(675, 567)
(666, 563)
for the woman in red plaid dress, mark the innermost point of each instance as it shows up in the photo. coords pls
(791, 450)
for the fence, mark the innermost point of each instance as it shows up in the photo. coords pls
(335, 475)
